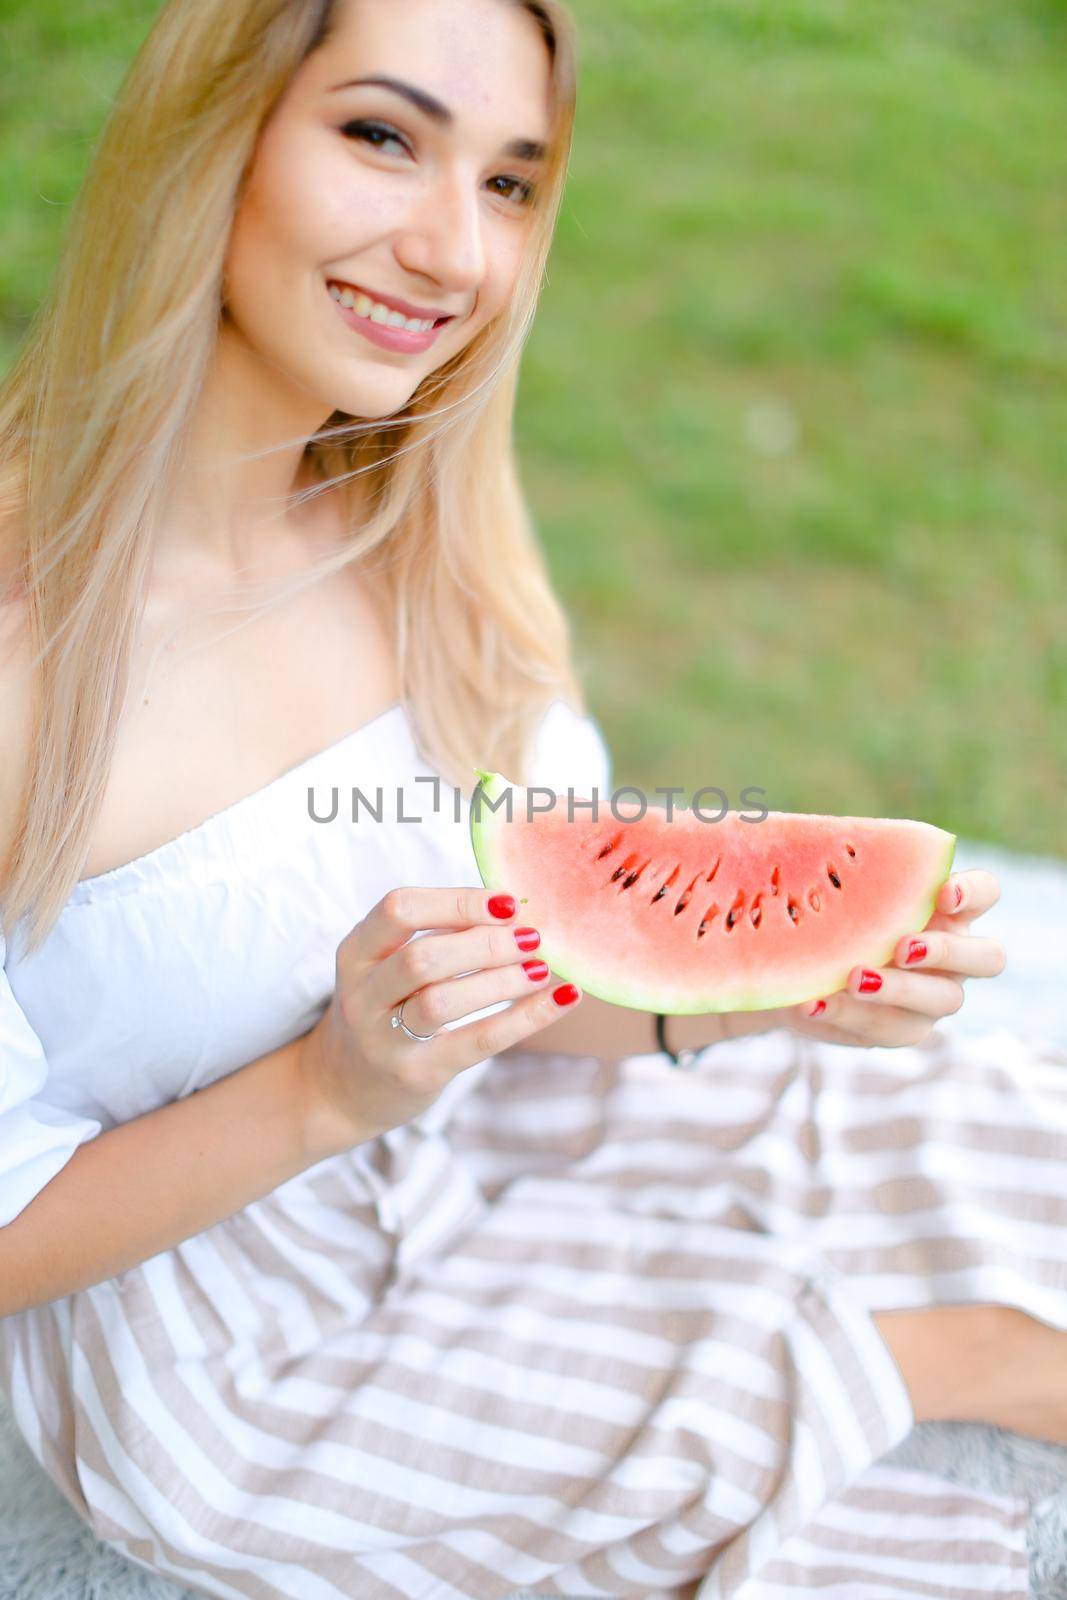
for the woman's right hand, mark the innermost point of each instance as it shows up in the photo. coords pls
(362, 1075)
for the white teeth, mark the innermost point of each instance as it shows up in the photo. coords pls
(364, 306)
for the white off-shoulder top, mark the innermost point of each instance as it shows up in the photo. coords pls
(217, 947)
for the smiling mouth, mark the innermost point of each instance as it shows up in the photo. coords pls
(364, 305)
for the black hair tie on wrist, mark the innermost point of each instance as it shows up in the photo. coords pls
(683, 1058)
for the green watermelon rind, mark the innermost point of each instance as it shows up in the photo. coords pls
(575, 969)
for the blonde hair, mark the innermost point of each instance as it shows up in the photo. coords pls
(94, 414)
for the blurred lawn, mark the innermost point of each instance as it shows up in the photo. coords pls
(794, 417)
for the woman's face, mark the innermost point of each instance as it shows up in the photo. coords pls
(407, 199)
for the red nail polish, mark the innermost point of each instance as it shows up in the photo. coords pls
(870, 981)
(916, 951)
(527, 938)
(565, 995)
(536, 971)
(959, 895)
(817, 1009)
(502, 905)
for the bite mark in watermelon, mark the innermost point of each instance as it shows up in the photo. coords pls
(688, 916)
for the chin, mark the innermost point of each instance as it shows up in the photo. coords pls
(371, 405)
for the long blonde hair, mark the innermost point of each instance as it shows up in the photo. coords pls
(94, 414)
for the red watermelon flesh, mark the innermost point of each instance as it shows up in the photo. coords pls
(689, 915)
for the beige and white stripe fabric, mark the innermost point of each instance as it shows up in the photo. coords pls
(605, 1333)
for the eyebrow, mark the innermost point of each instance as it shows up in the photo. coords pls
(521, 149)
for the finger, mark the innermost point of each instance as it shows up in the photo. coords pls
(405, 911)
(930, 994)
(447, 1002)
(434, 957)
(967, 894)
(951, 952)
(826, 1032)
(489, 1036)
(851, 1021)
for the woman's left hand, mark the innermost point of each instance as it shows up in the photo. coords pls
(910, 996)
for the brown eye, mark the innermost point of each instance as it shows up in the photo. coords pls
(376, 134)
(521, 190)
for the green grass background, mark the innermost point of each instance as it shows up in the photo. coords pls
(794, 415)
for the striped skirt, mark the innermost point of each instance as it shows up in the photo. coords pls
(606, 1332)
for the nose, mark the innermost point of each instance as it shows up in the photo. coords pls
(444, 239)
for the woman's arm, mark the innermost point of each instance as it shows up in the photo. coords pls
(598, 1028)
(150, 1183)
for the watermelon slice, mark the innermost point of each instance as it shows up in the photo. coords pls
(688, 915)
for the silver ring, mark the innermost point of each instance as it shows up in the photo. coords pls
(397, 1021)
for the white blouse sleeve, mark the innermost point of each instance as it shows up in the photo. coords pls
(36, 1139)
(570, 752)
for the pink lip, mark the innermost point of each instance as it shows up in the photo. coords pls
(403, 340)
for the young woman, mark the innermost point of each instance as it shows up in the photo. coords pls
(339, 1257)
